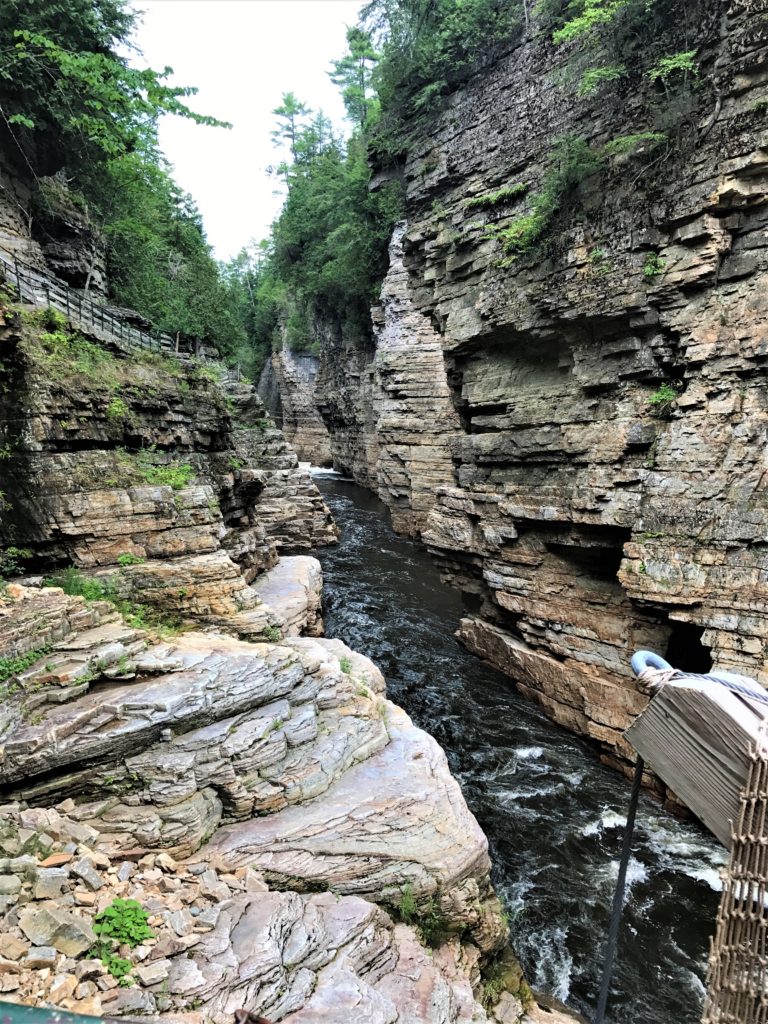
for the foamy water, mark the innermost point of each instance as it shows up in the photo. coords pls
(553, 814)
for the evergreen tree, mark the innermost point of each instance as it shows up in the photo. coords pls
(290, 119)
(354, 76)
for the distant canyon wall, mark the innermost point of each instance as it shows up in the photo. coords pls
(287, 388)
(514, 414)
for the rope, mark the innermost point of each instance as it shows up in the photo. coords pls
(653, 679)
(618, 896)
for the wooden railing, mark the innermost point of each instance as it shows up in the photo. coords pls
(42, 289)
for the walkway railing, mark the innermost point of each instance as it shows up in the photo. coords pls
(42, 289)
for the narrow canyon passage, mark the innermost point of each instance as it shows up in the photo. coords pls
(551, 811)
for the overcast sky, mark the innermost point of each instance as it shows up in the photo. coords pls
(242, 55)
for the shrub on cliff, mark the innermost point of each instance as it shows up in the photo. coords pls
(67, 94)
(428, 48)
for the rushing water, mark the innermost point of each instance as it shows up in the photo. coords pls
(552, 812)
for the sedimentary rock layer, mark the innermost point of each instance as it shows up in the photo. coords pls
(160, 478)
(325, 790)
(579, 434)
(287, 387)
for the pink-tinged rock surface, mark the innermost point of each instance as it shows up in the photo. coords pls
(293, 590)
(397, 819)
(194, 774)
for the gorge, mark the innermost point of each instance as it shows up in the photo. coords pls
(577, 434)
(324, 563)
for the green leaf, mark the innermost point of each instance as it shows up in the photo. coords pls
(21, 119)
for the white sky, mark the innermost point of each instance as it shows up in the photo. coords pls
(242, 55)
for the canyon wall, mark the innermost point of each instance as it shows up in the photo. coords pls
(153, 475)
(579, 434)
(174, 731)
(41, 226)
(288, 389)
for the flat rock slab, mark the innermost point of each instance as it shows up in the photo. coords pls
(217, 679)
(292, 590)
(396, 819)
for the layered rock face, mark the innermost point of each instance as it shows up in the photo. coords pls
(287, 387)
(579, 434)
(291, 839)
(331, 802)
(155, 476)
(42, 227)
(390, 411)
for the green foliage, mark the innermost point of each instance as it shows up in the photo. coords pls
(329, 250)
(158, 259)
(138, 616)
(122, 923)
(653, 265)
(432, 926)
(406, 906)
(73, 102)
(234, 463)
(118, 966)
(125, 921)
(145, 467)
(599, 261)
(69, 92)
(571, 161)
(674, 64)
(594, 79)
(635, 143)
(11, 562)
(10, 667)
(508, 194)
(427, 48)
(586, 17)
(117, 410)
(273, 634)
(75, 584)
(354, 76)
(127, 558)
(66, 353)
(291, 115)
(662, 401)
(613, 39)
(345, 664)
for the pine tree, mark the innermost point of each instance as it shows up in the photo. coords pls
(354, 76)
(290, 114)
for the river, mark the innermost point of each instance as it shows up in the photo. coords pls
(552, 812)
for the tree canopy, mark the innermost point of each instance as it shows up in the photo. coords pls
(67, 95)
(72, 104)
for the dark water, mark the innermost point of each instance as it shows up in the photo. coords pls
(552, 813)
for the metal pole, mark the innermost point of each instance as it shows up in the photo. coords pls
(618, 896)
